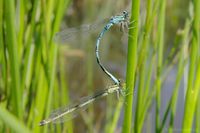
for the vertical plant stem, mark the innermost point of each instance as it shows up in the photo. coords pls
(53, 54)
(131, 66)
(191, 103)
(147, 99)
(194, 47)
(160, 44)
(197, 125)
(113, 124)
(2, 52)
(142, 63)
(21, 24)
(11, 40)
(179, 76)
(28, 53)
(193, 84)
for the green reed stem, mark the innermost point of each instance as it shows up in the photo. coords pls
(194, 70)
(21, 24)
(3, 81)
(131, 66)
(52, 59)
(182, 59)
(142, 63)
(13, 56)
(197, 124)
(160, 44)
(113, 124)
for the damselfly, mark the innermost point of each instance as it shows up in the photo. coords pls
(59, 114)
(60, 37)
(122, 19)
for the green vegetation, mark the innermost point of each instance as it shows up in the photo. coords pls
(131, 65)
(37, 75)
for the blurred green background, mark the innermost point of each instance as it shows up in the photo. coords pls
(38, 75)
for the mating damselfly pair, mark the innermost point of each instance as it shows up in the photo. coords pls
(123, 20)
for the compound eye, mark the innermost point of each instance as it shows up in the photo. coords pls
(124, 12)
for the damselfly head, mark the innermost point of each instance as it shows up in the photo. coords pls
(126, 14)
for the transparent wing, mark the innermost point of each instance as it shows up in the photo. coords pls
(60, 115)
(75, 32)
(67, 113)
(64, 114)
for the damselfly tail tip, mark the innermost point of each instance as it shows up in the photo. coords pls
(43, 122)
